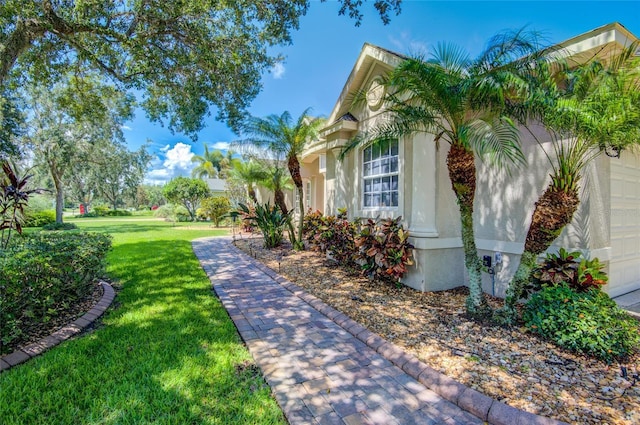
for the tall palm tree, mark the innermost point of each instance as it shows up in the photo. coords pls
(463, 102)
(592, 109)
(249, 173)
(212, 164)
(283, 136)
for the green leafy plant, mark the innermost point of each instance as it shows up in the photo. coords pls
(215, 208)
(587, 322)
(59, 226)
(567, 267)
(42, 274)
(269, 219)
(383, 249)
(39, 218)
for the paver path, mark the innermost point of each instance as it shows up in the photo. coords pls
(319, 372)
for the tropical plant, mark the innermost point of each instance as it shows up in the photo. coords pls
(588, 110)
(570, 268)
(14, 198)
(212, 164)
(587, 322)
(284, 137)
(215, 208)
(249, 173)
(383, 249)
(463, 102)
(270, 220)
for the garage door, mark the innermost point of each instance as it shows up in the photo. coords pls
(624, 267)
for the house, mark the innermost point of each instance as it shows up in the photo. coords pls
(217, 187)
(409, 178)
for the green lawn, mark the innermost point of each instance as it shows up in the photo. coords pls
(165, 353)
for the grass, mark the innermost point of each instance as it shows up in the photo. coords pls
(166, 354)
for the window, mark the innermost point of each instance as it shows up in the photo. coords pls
(380, 173)
(307, 195)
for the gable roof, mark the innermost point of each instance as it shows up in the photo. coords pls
(600, 42)
(370, 55)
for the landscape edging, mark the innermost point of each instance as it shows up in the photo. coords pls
(23, 354)
(468, 399)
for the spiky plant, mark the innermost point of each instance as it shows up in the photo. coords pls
(14, 197)
(285, 138)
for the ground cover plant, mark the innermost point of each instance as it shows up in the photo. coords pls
(42, 275)
(166, 353)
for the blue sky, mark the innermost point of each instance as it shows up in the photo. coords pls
(326, 47)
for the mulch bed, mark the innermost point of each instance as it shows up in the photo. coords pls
(64, 318)
(507, 364)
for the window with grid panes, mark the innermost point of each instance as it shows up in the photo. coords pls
(380, 175)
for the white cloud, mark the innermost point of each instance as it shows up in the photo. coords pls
(126, 127)
(179, 157)
(406, 44)
(278, 70)
(221, 145)
(171, 162)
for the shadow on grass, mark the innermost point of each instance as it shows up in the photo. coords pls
(168, 354)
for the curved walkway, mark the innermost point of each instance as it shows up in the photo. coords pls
(323, 367)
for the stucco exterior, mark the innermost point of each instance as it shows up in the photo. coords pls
(505, 199)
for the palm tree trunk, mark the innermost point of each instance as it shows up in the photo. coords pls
(462, 172)
(278, 198)
(553, 211)
(252, 193)
(294, 169)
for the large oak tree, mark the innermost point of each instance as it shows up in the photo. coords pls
(182, 56)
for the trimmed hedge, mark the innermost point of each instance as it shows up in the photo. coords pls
(44, 274)
(39, 218)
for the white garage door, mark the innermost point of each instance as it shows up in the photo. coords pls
(624, 270)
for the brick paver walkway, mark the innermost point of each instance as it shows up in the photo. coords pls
(319, 372)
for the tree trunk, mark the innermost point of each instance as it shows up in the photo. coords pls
(294, 169)
(252, 193)
(553, 211)
(278, 198)
(59, 198)
(462, 172)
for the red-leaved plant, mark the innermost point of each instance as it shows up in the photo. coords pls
(384, 250)
(14, 197)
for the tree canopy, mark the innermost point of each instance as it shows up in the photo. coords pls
(182, 56)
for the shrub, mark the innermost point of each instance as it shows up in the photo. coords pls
(269, 220)
(39, 218)
(216, 208)
(101, 210)
(171, 212)
(117, 213)
(383, 249)
(59, 226)
(43, 274)
(586, 322)
(332, 234)
(579, 273)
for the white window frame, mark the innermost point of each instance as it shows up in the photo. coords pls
(380, 169)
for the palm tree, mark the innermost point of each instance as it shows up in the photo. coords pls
(249, 173)
(284, 137)
(594, 109)
(277, 181)
(212, 164)
(464, 103)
